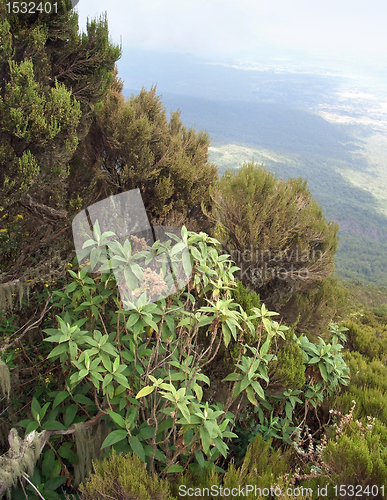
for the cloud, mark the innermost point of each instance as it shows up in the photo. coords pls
(230, 27)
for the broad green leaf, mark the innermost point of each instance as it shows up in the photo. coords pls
(203, 378)
(221, 446)
(146, 432)
(267, 324)
(200, 458)
(53, 425)
(70, 413)
(184, 410)
(205, 320)
(117, 418)
(53, 338)
(288, 410)
(198, 391)
(114, 437)
(59, 349)
(65, 451)
(237, 389)
(35, 409)
(205, 438)
(264, 348)
(71, 287)
(245, 383)
(148, 389)
(43, 411)
(73, 348)
(106, 381)
(80, 398)
(186, 258)
(251, 396)
(175, 468)
(150, 322)
(54, 483)
(48, 462)
(121, 379)
(226, 334)
(59, 398)
(232, 327)
(133, 318)
(32, 426)
(165, 424)
(258, 389)
(137, 447)
(323, 371)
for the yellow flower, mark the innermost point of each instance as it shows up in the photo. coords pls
(3, 230)
(46, 284)
(69, 265)
(47, 380)
(19, 216)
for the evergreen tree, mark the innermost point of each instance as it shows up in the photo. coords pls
(52, 79)
(276, 233)
(132, 144)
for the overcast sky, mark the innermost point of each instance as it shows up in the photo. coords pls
(237, 28)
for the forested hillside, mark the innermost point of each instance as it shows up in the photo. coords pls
(326, 127)
(223, 354)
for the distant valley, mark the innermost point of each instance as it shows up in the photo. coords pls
(328, 128)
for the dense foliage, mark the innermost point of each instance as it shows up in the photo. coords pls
(134, 378)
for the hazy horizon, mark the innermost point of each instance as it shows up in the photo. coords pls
(335, 35)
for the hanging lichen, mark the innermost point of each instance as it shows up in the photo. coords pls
(20, 458)
(6, 296)
(5, 379)
(88, 441)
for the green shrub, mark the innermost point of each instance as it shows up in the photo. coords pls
(262, 466)
(381, 311)
(245, 298)
(357, 460)
(368, 388)
(370, 402)
(366, 374)
(312, 309)
(368, 336)
(289, 369)
(123, 478)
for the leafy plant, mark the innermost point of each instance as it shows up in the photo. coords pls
(144, 365)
